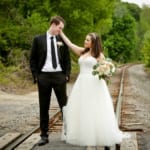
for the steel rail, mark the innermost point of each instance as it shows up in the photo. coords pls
(22, 138)
(120, 97)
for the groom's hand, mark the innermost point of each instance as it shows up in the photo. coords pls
(67, 78)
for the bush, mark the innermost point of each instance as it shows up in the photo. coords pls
(146, 49)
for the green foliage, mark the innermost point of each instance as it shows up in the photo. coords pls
(21, 20)
(120, 42)
(134, 10)
(144, 25)
(18, 58)
(1, 64)
(145, 35)
(145, 19)
(146, 49)
(35, 24)
(89, 16)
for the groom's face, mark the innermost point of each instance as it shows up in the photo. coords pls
(55, 29)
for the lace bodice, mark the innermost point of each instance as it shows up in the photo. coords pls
(86, 64)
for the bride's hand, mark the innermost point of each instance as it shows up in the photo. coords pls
(61, 32)
(75, 48)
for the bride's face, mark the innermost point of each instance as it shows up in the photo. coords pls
(87, 42)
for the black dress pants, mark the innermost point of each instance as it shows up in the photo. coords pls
(46, 82)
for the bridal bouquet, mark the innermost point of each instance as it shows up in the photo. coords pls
(104, 69)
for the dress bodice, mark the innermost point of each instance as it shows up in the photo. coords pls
(86, 64)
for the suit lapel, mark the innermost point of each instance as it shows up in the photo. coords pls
(58, 48)
(45, 43)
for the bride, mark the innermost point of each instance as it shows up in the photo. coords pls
(89, 118)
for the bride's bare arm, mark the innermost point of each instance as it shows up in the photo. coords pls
(75, 48)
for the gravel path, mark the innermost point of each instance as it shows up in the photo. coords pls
(21, 112)
(17, 112)
(139, 88)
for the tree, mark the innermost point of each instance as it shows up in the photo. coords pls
(146, 49)
(134, 10)
(144, 25)
(120, 42)
(89, 16)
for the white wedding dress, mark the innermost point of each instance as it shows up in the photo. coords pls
(89, 118)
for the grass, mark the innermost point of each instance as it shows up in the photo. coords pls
(16, 80)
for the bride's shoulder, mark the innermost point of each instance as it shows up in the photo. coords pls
(101, 57)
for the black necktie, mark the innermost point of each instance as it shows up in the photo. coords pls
(54, 63)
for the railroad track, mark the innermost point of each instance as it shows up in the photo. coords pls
(12, 140)
(55, 123)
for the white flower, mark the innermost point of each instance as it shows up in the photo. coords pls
(59, 43)
(104, 69)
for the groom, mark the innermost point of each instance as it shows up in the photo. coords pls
(50, 66)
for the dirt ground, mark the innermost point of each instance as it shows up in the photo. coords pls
(138, 98)
(20, 112)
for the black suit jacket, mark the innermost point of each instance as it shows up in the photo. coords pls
(39, 52)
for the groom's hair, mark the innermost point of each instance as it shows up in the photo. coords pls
(57, 20)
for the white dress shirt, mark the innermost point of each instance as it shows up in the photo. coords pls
(48, 63)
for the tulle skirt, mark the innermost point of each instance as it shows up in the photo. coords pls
(89, 118)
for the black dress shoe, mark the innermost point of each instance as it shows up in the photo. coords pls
(43, 141)
(106, 148)
(117, 146)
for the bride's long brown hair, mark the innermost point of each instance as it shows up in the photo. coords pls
(96, 48)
